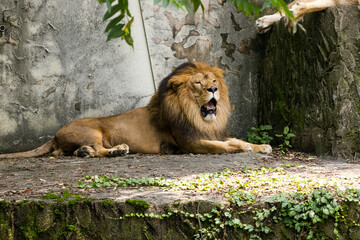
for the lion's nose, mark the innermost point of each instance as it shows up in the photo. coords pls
(212, 89)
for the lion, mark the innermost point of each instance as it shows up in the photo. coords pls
(299, 8)
(189, 114)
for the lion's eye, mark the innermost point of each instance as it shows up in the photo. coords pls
(198, 82)
(214, 81)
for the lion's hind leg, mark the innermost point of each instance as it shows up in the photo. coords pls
(100, 151)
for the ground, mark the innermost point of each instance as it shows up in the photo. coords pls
(228, 196)
(34, 177)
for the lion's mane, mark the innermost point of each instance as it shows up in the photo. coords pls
(174, 109)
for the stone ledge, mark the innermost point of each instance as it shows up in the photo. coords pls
(40, 198)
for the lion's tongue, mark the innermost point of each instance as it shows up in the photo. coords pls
(210, 106)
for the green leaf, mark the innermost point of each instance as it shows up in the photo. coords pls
(245, 7)
(266, 4)
(128, 13)
(227, 214)
(165, 3)
(292, 213)
(286, 9)
(236, 221)
(326, 211)
(196, 5)
(156, 1)
(113, 22)
(266, 127)
(116, 32)
(108, 4)
(301, 27)
(286, 130)
(114, 9)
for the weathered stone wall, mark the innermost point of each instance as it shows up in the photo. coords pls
(60, 68)
(55, 65)
(311, 82)
(223, 37)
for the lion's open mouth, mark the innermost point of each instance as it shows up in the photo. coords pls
(208, 108)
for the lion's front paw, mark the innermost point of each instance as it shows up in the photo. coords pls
(264, 148)
(237, 145)
(119, 150)
(246, 147)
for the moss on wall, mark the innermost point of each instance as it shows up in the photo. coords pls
(311, 82)
(93, 220)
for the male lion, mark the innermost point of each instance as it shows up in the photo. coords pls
(299, 8)
(188, 113)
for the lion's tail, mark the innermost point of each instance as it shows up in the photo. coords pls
(37, 152)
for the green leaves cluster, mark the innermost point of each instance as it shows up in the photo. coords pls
(121, 20)
(66, 196)
(251, 10)
(285, 137)
(204, 182)
(260, 134)
(105, 181)
(300, 212)
(188, 5)
(303, 212)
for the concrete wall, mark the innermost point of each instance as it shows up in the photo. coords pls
(60, 68)
(55, 65)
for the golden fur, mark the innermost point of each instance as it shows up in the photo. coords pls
(188, 113)
(299, 8)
